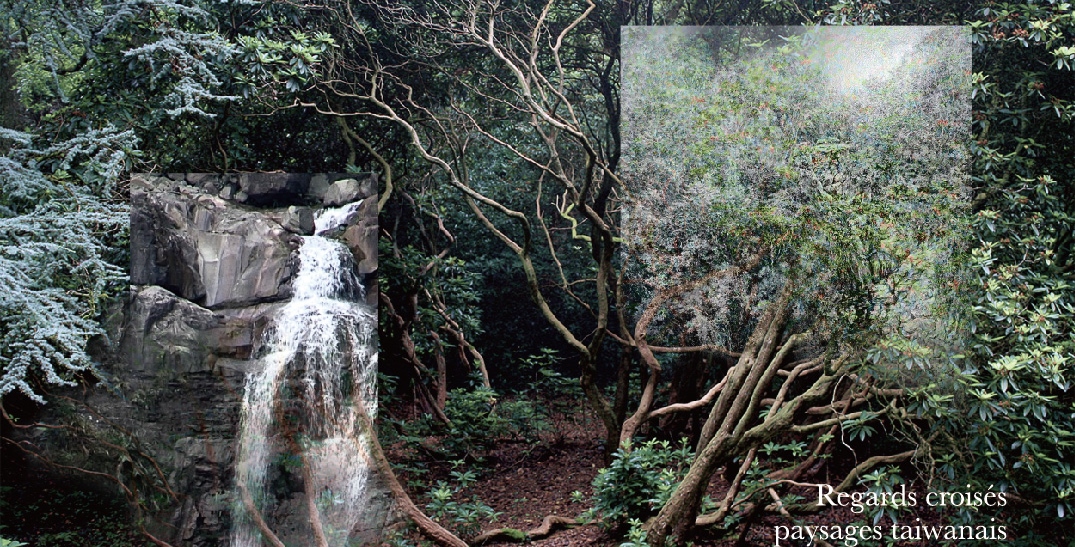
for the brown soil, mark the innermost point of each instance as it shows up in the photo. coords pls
(525, 483)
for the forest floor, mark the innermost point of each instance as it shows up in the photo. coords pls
(524, 483)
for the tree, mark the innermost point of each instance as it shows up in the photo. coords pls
(511, 112)
(107, 89)
(798, 222)
(1019, 400)
(102, 90)
(1009, 426)
(63, 227)
(60, 246)
(389, 93)
(535, 97)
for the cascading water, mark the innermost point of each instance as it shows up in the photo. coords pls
(299, 407)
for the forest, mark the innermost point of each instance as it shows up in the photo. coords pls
(645, 272)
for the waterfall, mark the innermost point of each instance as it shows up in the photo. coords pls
(298, 408)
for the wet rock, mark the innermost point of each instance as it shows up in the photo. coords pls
(273, 188)
(201, 248)
(361, 236)
(201, 179)
(161, 252)
(342, 192)
(319, 185)
(211, 265)
(163, 333)
(356, 226)
(377, 516)
(229, 191)
(297, 220)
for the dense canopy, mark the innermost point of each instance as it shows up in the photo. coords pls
(814, 273)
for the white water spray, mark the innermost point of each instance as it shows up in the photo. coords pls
(300, 405)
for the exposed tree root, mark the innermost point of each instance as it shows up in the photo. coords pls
(156, 541)
(131, 492)
(311, 503)
(870, 463)
(548, 524)
(252, 509)
(428, 526)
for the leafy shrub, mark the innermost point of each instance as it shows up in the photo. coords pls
(639, 481)
(464, 518)
(1012, 427)
(636, 535)
(884, 480)
(547, 382)
(51, 515)
(479, 419)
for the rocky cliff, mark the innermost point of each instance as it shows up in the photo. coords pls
(212, 258)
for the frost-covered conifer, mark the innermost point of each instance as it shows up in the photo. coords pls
(96, 78)
(58, 256)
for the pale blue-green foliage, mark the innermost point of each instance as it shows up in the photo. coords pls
(179, 54)
(738, 143)
(57, 256)
(182, 59)
(186, 62)
(197, 80)
(63, 224)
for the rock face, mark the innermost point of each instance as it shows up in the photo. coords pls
(212, 259)
(205, 250)
(272, 188)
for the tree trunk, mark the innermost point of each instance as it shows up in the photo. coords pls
(12, 113)
(623, 384)
(442, 371)
(428, 526)
(688, 382)
(725, 428)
